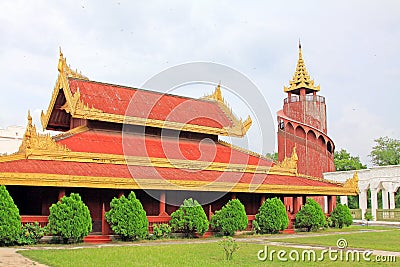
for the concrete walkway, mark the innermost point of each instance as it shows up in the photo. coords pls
(10, 257)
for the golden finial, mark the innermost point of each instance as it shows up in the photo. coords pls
(300, 53)
(217, 94)
(61, 61)
(29, 118)
(66, 70)
(301, 78)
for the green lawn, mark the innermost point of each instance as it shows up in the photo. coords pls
(209, 254)
(384, 240)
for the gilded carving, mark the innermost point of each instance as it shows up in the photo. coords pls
(290, 163)
(352, 183)
(239, 127)
(64, 68)
(33, 141)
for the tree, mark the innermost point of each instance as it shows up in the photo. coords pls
(320, 216)
(231, 218)
(10, 221)
(386, 151)
(341, 216)
(189, 218)
(345, 162)
(273, 156)
(310, 217)
(127, 217)
(271, 217)
(70, 218)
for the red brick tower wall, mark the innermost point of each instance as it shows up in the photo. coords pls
(303, 124)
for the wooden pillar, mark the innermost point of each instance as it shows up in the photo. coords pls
(262, 199)
(61, 194)
(296, 204)
(162, 204)
(331, 203)
(103, 220)
(210, 213)
(288, 201)
(120, 194)
(233, 195)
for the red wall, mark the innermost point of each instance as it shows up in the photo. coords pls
(305, 127)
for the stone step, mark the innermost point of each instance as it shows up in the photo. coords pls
(97, 239)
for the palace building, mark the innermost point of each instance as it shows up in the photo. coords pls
(166, 148)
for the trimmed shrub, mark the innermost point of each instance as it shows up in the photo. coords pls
(231, 218)
(341, 216)
(70, 219)
(10, 221)
(321, 219)
(161, 230)
(128, 218)
(189, 218)
(30, 234)
(271, 217)
(311, 216)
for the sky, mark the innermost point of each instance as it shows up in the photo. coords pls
(350, 48)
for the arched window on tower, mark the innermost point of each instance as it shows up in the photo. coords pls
(281, 125)
(329, 147)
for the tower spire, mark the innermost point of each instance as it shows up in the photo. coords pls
(301, 78)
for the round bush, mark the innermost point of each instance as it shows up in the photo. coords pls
(311, 216)
(161, 230)
(341, 216)
(30, 234)
(231, 218)
(189, 218)
(70, 219)
(321, 219)
(10, 221)
(128, 218)
(271, 217)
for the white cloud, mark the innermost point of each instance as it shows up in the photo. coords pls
(357, 127)
(350, 48)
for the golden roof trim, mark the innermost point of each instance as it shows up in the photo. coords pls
(43, 179)
(65, 69)
(76, 130)
(73, 102)
(301, 78)
(240, 127)
(352, 183)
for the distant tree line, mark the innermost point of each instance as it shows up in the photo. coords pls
(386, 151)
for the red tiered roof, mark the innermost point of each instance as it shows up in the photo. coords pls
(120, 100)
(108, 142)
(144, 172)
